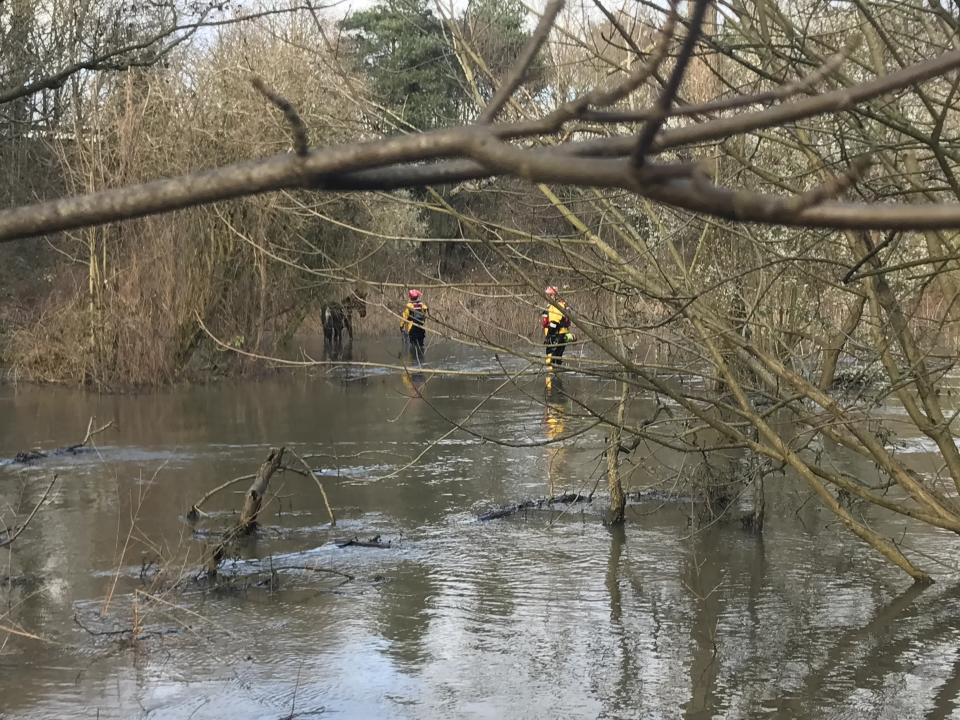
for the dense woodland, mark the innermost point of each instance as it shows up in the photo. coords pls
(751, 208)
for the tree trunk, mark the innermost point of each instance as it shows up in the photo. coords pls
(618, 501)
(251, 508)
(833, 348)
(254, 499)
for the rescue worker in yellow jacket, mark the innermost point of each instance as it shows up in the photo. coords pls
(411, 324)
(556, 329)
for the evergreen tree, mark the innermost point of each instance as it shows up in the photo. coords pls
(402, 47)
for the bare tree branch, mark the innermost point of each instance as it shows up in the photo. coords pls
(523, 62)
(123, 57)
(20, 528)
(301, 140)
(477, 152)
(665, 101)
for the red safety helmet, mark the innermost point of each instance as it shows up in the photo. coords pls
(551, 291)
(414, 294)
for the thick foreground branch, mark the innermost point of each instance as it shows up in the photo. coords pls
(418, 159)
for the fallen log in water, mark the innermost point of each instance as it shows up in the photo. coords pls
(374, 542)
(637, 496)
(250, 573)
(21, 582)
(253, 503)
(666, 497)
(537, 504)
(134, 632)
(28, 457)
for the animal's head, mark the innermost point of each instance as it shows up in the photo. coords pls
(359, 298)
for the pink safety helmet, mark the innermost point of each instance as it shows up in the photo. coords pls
(551, 291)
(414, 294)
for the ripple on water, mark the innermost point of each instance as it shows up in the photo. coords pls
(542, 615)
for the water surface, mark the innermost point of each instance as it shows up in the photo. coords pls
(543, 615)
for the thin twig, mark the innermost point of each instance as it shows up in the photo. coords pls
(782, 92)
(195, 511)
(868, 257)
(181, 608)
(832, 188)
(91, 432)
(326, 501)
(665, 101)
(603, 98)
(20, 633)
(296, 689)
(522, 65)
(15, 535)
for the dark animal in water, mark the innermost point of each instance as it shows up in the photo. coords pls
(338, 317)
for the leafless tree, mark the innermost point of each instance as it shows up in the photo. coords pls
(737, 219)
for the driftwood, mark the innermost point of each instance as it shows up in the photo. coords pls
(374, 542)
(132, 633)
(658, 495)
(27, 457)
(537, 504)
(24, 582)
(254, 500)
(253, 503)
(654, 495)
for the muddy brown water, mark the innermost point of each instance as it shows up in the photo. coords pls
(544, 615)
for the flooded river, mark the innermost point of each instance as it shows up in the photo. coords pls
(547, 614)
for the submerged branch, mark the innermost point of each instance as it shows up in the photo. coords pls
(20, 528)
(311, 473)
(194, 513)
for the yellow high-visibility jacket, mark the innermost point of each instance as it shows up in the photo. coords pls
(554, 321)
(414, 313)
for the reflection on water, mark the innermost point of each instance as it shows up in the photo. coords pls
(556, 408)
(535, 616)
(403, 617)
